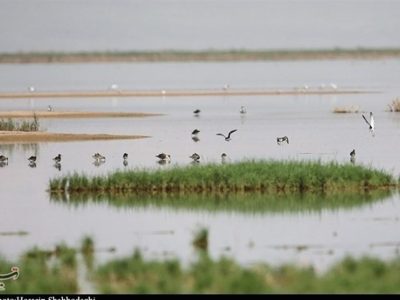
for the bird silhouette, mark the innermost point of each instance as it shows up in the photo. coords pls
(227, 138)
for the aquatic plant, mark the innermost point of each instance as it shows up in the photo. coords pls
(12, 125)
(249, 176)
(136, 275)
(38, 275)
(200, 240)
(395, 105)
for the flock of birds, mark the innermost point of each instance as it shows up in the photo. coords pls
(164, 158)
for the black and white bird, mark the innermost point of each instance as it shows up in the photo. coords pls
(50, 108)
(195, 132)
(371, 122)
(57, 159)
(195, 157)
(98, 157)
(224, 158)
(280, 140)
(125, 156)
(227, 138)
(32, 159)
(164, 156)
(353, 156)
(243, 110)
(3, 159)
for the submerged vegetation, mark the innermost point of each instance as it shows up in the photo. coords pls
(207, 55)
(249, 176)
(12, 125)
(57, 272)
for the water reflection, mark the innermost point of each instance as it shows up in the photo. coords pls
(17, 147)
(57, 165)
(253, 203)
(32, 164)
(3, 163)
(195, 139)
(98, 162)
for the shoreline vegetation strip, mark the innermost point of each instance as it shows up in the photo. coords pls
(248, 176)
(201, 55)
(59, 273)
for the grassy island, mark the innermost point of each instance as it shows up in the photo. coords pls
(249, 176)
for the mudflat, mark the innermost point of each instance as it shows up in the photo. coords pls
(40, 136)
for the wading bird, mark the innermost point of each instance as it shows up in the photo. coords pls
(195, 157)
(353, 156)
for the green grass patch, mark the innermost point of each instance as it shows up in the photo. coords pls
(13, 125)
(136, 275)
(249, 176)
(43, 272)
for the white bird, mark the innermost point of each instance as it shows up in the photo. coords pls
(31, 89)
(49, 108)
(280, 140)
(371, 123)
(227, 138)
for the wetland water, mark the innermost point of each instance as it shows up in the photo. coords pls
(318, 235)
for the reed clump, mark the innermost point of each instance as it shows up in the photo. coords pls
(249, 176)
(395, 105)
(13, 125)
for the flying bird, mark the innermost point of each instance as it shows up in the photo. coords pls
(371, 123)
(227, 138)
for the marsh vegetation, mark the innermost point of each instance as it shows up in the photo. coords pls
(249, 176)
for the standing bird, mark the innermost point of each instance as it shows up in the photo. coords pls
(195, 157)
(371, 123)
(57, 159)
(125, 156)
(32, 159)
(50, 108)
(243, 110)
(164, 157)
(224, 158)
(3, 159)
(280, 140)
(227, 138)
(98, 157)
(353, 156)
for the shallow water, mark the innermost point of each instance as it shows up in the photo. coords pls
(318, 237)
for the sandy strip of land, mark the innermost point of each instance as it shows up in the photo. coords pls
(71, 114)
(40, 136)
(177, 93)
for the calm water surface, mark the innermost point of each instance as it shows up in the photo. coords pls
(274, 237)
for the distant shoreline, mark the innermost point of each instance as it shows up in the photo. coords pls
(198, 56)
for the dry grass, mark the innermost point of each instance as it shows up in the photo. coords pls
(346, 109)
